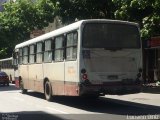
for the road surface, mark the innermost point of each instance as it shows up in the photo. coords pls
(33, 106)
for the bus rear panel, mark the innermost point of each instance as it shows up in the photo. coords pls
(110, 58)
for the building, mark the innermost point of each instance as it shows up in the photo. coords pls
(151, 59)
(1, 4)
(52, 26)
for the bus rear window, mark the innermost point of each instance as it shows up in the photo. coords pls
(110, 36)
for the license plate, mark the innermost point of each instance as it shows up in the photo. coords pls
(112, 77)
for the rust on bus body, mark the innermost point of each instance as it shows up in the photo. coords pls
(71, 89)
(65, 88)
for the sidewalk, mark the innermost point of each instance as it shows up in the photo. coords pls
(150, 95)
(142, 98)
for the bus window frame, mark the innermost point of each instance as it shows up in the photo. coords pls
(20, 56)
(33, 54)
(39, 52)
(72, 45)
(48, 51)
(61, 48)
(25, 55)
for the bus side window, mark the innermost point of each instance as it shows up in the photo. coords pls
(59, 50)
(47, 51)
(25, 55)
(32, 54)
(71, 46)
(15, 60)
(20, 56)
(39, 55)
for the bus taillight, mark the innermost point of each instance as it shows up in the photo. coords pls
(84, 76)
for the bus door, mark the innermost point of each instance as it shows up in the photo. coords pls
(24, 67)
(71, 64)
(36, 67)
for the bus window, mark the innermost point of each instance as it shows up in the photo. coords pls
(20, 56)
(15, 60)
(48, 52)
(25, 55)
(111, 36)
(32, 54)
(71, 50)
(59, 48)
(39, 53)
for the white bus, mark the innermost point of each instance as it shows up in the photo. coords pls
(89, 57)
(6, 66)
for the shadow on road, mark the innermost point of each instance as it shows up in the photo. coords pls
(29, 115)
(11, 87)
(104, 105)
(39, 115)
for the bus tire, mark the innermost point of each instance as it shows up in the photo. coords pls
(23, 91)
(48, 91)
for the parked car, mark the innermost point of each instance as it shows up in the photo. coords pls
(4, 79)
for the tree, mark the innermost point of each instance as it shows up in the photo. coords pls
(21, 17)
(70, 10)
(145, 12)
(24, 16)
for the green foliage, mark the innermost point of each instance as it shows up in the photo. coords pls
(70, 10)
(23, 16)
(145, 12)
(3, 53)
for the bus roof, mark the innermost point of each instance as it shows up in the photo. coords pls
(6, 59)
(68, 28)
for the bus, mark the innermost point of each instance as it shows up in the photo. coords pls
(91, 57)
(6, 66)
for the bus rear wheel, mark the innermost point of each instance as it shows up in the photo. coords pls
(48, 91)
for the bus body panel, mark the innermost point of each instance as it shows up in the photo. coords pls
(109, 73)
(36, 77)
(113, 66)
(24, 75)
(55, 74)
(110, 70)
(71, 75)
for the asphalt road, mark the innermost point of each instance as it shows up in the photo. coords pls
(33, 106)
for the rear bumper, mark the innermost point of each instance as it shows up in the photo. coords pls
(112, 90)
